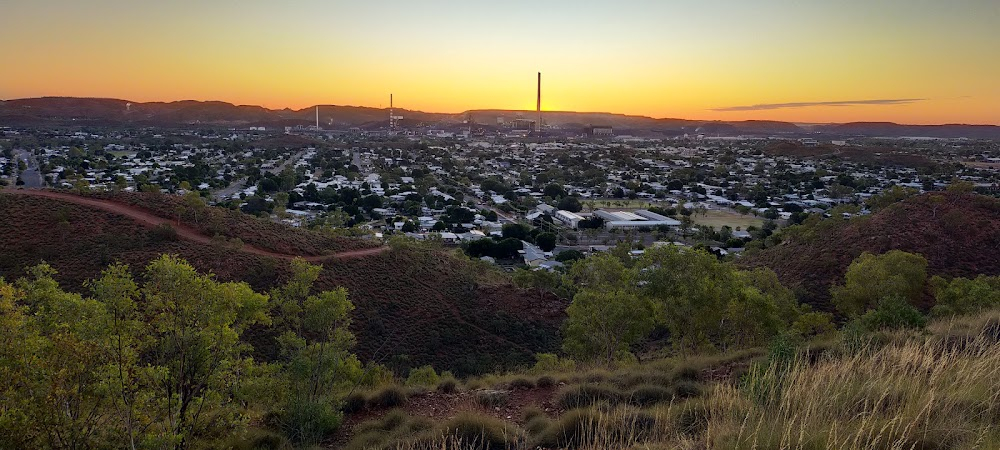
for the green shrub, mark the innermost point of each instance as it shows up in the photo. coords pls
(393, 427)
(531, 412)
(545, 381)
(492, 398)
(308, 422)
(687, 389)
(893, 313)
(422, 376)
(390, 421)
(686, 373)
(388, 397)
(537, 424)
(549, 362)
(256, 439)
(649, 394)
(584, 395)
(521, 383)
(354, 402)
(628, 380)
(376, 375)
(571, 430)
(448, 386)
(163, 233)
(482, 432)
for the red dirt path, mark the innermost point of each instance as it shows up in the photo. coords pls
(183, 231)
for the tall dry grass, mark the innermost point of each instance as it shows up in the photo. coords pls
(933, 390)
(911, 393)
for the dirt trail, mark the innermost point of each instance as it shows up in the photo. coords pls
(183, 231)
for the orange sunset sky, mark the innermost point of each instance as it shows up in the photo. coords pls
(910, 61)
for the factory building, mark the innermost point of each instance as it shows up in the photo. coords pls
(634, 220)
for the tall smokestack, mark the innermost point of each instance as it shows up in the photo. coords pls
(317, 117)
(391, 119)
(538, 104)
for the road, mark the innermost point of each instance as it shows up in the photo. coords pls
(31, 176)
(236, 186)
(231, 190)
(291, 160)
(183, 231)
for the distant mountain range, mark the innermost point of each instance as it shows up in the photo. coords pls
(108, 112)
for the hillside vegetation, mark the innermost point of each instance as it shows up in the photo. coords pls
(230, 224)
(890, 377)
(415, 305)
(422, 348)
(958, 233)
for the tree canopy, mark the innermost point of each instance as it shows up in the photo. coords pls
(870, 279)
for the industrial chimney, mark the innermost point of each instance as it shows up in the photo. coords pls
(538, 105)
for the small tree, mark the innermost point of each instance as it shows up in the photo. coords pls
(315, 341)
(870, 279)
(571, 204)
(546, 241)
(196, 323)
(603, 325)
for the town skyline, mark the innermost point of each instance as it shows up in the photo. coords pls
(907, 62)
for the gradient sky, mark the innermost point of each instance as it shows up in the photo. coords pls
(913, 61)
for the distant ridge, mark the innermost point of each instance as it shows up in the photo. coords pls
(110, 112)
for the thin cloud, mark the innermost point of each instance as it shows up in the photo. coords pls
(889, 101)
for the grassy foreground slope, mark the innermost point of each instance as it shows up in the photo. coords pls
(933, 389)
(414, 305)
(958, 233)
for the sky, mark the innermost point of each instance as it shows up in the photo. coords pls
(807, 61)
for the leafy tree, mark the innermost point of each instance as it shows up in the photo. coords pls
(964, 296)
(593, 222)
(569, 255)
(124, 341)
(892, 313)
(20, 344)
(765, 280)
(515, 231)
(315, 342)
(554, 191)
(257, 205)
(546, 241)
(193, 207)
(196, 323)
(691, 290)
(889, 196)
(705, 303)
(602, 271)
(63, 384)
(870, 279)
(544, 281)
(480, 247)
(811, 324)
(507, 248)
(571, 204)
(604, 324)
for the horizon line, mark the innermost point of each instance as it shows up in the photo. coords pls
(642, 116)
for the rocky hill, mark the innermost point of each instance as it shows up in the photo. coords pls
(414, 305)
(958, 233)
